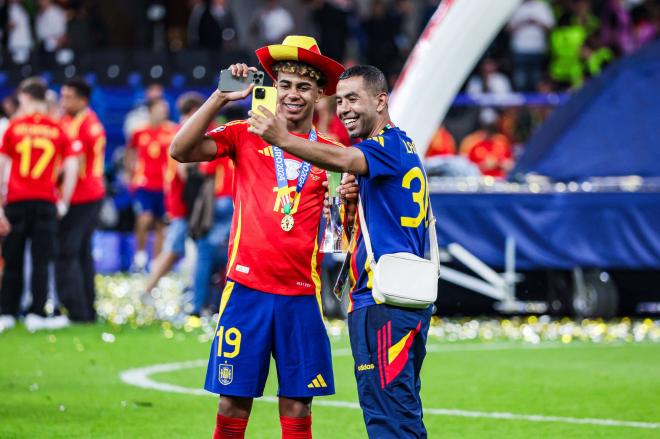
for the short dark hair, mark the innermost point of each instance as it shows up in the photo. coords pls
(189, 102)
(372, 76)
(35, 87)
(152, 102)
(81, 87)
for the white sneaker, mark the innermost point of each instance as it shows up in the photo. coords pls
(140, 260)
(7, 322)
(58, 322)
(34, 322)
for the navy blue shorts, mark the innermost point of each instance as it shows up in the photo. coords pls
(146, 200)
(255, 325)
(389, 346)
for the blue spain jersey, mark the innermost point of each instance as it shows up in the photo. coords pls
(395, 199)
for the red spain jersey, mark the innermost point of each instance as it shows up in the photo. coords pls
(223, 170)
(262, 256)
(86, 129)
(36, 146)
(174, 204)
(152, 145)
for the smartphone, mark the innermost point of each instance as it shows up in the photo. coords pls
(266, 97)
(229, 82)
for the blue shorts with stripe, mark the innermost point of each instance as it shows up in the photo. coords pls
(255, 325)
(389, 346)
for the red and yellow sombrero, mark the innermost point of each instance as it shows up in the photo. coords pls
(303, 49)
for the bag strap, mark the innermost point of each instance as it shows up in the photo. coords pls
(433, 236)
(365, 234)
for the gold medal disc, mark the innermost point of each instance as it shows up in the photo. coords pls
(287, 223)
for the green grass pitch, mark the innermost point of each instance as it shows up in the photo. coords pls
(67, 384)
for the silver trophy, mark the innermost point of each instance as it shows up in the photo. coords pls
(334, 238)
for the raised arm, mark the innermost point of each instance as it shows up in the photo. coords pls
(190, 144)
(273, 129)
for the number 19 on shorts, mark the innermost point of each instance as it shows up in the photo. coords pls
(229, 342)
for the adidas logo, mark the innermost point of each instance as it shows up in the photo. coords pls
(317, 382)
(267, 151)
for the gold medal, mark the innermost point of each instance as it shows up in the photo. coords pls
(287, 223)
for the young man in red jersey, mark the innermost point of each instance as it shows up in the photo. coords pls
(38, 151)
(146, 159)
(74, 264)
(271, 302)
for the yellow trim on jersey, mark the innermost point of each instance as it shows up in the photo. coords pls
(396, 349)
(237, 237)
(226, 293)
(73, 130)
(315, 276)
(370, 274)
(330, 140)
(370, 278)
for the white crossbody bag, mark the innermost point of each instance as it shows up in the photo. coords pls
(404, 279)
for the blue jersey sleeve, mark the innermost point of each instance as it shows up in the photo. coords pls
(383, 156)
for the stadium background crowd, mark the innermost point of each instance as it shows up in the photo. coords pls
(159, 50)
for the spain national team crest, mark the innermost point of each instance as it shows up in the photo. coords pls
(226, 374)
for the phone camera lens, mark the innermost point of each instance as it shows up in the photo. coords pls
(260, 93)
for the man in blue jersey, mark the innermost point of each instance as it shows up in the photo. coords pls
(388, 342)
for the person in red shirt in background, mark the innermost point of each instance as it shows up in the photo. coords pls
(146, 160)
(487, 148)
(213, 246)
(177, 210)
(326, 120)
(38, 151)
(74, 264)
(442, 144)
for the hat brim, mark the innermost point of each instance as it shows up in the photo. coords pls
(330, 68)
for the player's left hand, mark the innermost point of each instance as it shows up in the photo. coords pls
(271, 128)
(349, 189)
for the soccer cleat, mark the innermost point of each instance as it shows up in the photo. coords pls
(7, 322)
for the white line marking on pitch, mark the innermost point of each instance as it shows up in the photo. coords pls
(140, 377)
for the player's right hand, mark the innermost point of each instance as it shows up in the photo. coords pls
(239, 70)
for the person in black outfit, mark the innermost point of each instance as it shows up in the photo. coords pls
(37, 149)
(332, 22)
(74, 264)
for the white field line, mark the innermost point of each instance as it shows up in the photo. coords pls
(141, 377)
(494, 346)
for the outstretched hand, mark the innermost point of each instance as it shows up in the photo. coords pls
(269, 127)
(239, 70)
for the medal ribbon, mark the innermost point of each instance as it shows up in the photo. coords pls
(283, 182)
